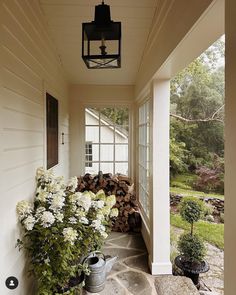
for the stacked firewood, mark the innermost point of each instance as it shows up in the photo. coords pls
(120, 186)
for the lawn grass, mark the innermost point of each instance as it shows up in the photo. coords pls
(193, 193)
(185, 178)
(212, 233)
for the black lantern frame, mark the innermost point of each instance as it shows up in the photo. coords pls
(102, 29)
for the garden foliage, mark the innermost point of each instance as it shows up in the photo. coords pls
(197, 93)
(61, 227)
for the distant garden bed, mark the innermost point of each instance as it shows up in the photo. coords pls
(183, 184)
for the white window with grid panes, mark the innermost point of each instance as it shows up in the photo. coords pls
(144, 157)
(106, 131)
(88, 154)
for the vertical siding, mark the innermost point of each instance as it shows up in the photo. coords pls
(29, 66)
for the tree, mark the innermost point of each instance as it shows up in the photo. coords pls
(118, 116)
(197, 110)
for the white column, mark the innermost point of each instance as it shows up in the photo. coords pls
(230, 149)
(160, 213)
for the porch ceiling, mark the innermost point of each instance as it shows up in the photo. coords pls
(65, 17)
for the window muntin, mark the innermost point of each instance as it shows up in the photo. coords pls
(88, 154)
(107, 130)
(144, 157)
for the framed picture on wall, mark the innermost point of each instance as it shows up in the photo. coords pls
(52, 130)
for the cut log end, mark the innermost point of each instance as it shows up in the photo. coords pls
(122, 187)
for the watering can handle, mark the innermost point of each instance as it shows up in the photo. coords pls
(93, 254)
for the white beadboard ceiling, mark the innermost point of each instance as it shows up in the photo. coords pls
(65, 17)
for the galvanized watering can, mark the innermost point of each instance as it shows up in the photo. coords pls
(99, 267)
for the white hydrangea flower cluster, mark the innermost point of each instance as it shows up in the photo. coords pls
(50, 194)
(70, 235)
(111, 201)
(71, 213)
(100, 195)
(84, 201)
(47, 219)
(29, 222)
(99, 227)
(44, 175)
(57, 202)
(39, 212)
(73, 220)
(24, 209)
(43, 195)
(84, 220)
(97, 204)
(59, 216)
(104, 234)
(114, 213)
(72, 184)
(50, 188)
(81, 202)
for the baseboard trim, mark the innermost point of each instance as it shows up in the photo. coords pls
(160, 268)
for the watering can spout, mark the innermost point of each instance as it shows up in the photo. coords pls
(110, 261)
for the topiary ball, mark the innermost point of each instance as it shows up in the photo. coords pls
(192, 247)
(191, 209)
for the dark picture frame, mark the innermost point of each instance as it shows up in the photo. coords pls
(52, 130)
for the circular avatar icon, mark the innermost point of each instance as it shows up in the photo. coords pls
(12, 283)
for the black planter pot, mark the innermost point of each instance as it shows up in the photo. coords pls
(191, 269)
(75, 281)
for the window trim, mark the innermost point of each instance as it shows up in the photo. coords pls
(52, 131)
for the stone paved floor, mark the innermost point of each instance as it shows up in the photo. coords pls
(131, 276)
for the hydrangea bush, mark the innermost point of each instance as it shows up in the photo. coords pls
(61, 227)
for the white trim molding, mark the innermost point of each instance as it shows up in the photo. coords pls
(160, 268)
(160, 210)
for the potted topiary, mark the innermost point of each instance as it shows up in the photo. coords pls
(190, 245)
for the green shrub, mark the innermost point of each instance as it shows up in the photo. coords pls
(192, 247)
(208, 209)
(191, 209)
(211, 179)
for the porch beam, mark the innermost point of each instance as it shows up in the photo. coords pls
(160, 214)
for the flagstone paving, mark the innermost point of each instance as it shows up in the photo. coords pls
(130, 274)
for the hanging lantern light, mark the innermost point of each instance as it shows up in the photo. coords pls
(101, 40)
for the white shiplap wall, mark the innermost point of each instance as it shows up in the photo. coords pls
(29, 67)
